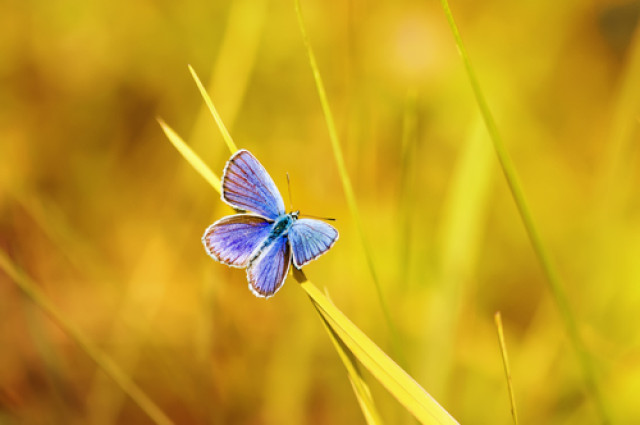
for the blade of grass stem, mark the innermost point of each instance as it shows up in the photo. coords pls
(346, 181)
(539, 248)
(203, 92)
(102, 360)
(191, 157)
(360, 387)
(402, 386)
(505, 362)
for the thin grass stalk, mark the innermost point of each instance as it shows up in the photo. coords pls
(214, 112)
(346, 183)
(102, 360)
(505, 362)
(552, 277)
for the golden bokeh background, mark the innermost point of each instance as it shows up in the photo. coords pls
(104, 214)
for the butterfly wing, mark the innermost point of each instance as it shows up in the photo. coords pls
(310, 239)
(246, 185)
(266, 272)
(234, 239)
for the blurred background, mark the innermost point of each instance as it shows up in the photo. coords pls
(106, 217)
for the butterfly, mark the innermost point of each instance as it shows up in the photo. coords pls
(265, 239)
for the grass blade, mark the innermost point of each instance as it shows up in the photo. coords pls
(505, 362)
(191, 157)
(102, 360)
(203, 92)
(360, 387)
(346, 181)
(553, 279)
(402, 386)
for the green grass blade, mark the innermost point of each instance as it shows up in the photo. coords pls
(203, 92)
(505, 363)
(102, 360)
(191, 157)
(541, 252)
(402, 386)
(346, 181)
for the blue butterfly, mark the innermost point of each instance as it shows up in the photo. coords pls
(266, 239)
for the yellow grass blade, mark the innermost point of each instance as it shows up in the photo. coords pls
(102, 360)
(203, 92)
(191, 157)
(505, 362)
(360, 387)
(346, 182)
(402, 386)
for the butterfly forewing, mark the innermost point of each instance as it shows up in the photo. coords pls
(246, 185)
(267, 272)
(234, 239)
(310, 239)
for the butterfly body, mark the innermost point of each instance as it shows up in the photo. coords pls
(282, 225)
(280, 228)
(267, 239)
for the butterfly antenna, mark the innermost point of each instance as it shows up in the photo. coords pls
(318, 218)
(289, 190)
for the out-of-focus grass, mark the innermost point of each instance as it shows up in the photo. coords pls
(104, 362)
(548, 266)
(95, 205)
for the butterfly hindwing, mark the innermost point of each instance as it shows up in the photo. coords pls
(246, 185)
(310, 239)
(266, 272)
(233, 240)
